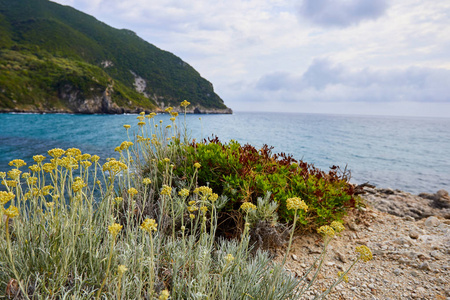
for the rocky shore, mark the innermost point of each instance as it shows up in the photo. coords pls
(410, 239)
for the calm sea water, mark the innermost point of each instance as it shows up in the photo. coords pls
(411, 154)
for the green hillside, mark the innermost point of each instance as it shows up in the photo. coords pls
(55, 58)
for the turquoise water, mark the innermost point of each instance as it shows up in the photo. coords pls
(406, 153)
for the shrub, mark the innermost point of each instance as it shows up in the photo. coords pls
(243, 173)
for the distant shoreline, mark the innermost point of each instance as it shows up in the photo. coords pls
(196, 110)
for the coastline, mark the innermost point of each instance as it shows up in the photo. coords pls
(411, 250)
(118, 111)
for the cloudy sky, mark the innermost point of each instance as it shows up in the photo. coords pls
(389, 57)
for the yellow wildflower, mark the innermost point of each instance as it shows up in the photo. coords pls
(192, 202)
(166, 160)
(248, 206)
(86, 164)
(12, 212)
(192, 216)
(185, 103)
(337, 226)
(203, 191)
(26, 175)
(149, 225)
(73, 152)
(95, 158)
(118, 200)
(146, 181)
(169, 109)
(192, 208)
(46, 190)
(140, 118)
(32, 180)
(345, 277)
(78, 184)
(142, 113)
(197, 165)
(5, 197)
(17, 163)
(166, 190)
(164, 295)
(14, 174)
(204, 209)
(114, 167)
(296, 204)
(127, 126)
(141, 123)
(173, 119)
(48, 167)
(132, 191)
(34, 168)
(85, 156)
(326, 230)
(38, 158)
(169, 126)
(114, 229)
(229, 258)
(365, 253)
(2, 174)
(125, 145)
(213, 197)
(9, 183)
(121, 269)
(183, 193)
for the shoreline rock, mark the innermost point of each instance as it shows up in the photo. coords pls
(403, 204)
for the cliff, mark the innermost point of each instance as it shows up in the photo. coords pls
(54, 58)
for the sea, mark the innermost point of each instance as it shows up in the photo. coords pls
(405, 153)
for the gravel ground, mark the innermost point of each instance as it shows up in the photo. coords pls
(411, 259)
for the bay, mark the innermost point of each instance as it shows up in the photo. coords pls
(406, 153)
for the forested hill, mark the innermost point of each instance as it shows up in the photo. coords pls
(54, 58)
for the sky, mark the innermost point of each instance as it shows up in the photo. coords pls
(374, 57)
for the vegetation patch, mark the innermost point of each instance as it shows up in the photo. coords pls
(133, 228)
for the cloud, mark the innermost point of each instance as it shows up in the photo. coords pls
(341, 13)
(326, 81)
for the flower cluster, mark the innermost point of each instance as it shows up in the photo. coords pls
(132, 191)
(183, 193)
(56, 152)
(164, 295)
(114, 229)
(149, 225)
(17, 163)
(73, 152)
(38, 158)
(364, 253)
(296, 204)
(337, 226)
(5, 197)
(166, 190)
(229, 258)
(12, 212)
(326, 230)
(78, 185)
(185, 103)
(114, 167)
(248, 206)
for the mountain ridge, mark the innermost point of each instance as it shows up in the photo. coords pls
(54, 58)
